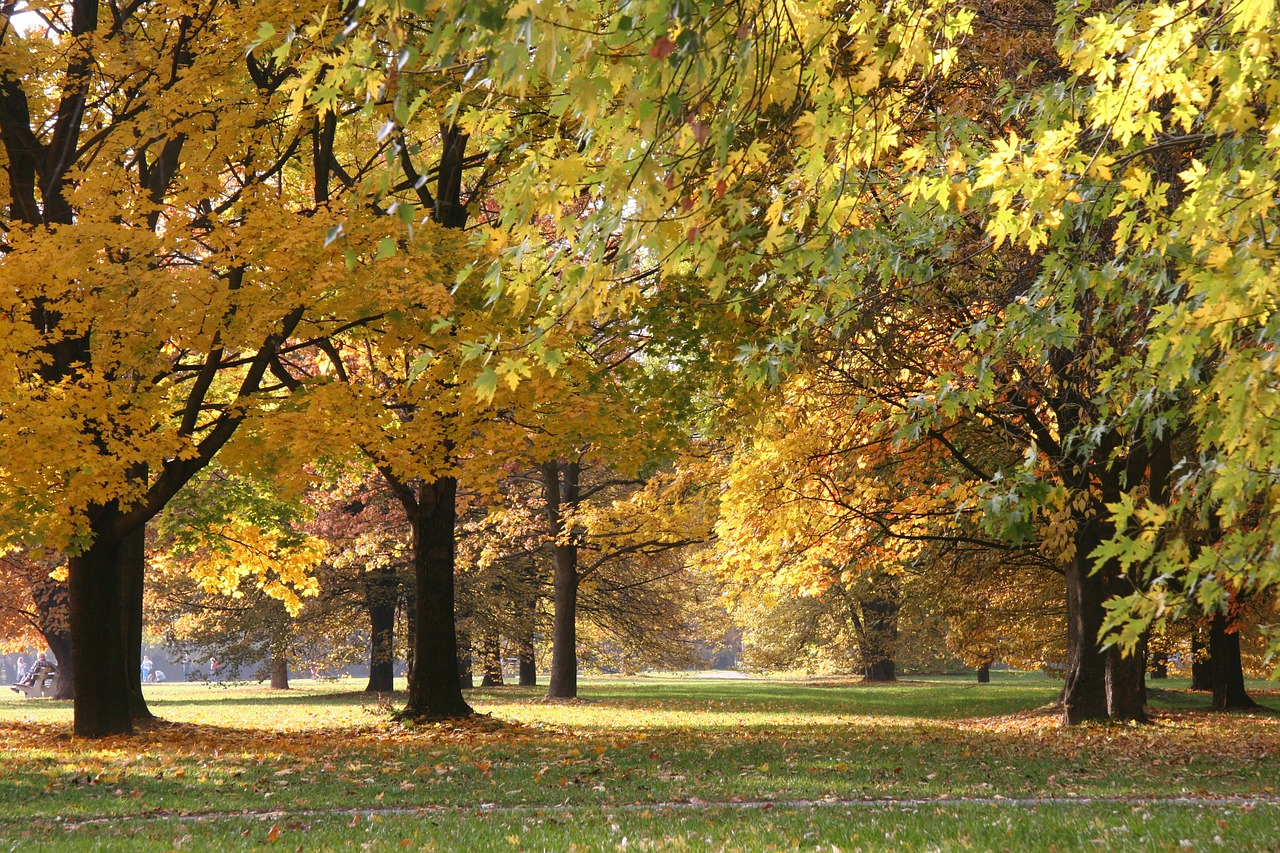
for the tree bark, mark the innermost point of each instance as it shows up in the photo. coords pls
(1227, 668)
(381, 589)
(1084, 695)
(133, 571)
(53, 613)
(1124, 686)
(279, 671)
(877, 628)
(492, 661)
(1201, 663)
(466, 661)
(434, 689)
(984, 674)
(881, 671)
(528, 665)
(99, 661)
(560, 483)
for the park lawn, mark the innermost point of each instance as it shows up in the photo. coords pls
(678, 757)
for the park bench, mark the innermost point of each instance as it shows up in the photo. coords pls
(41, 682)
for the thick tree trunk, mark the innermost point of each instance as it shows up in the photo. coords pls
(381, 589)
(279, 671)
(1084, 695)
(880, 671)
(877, 626)
(1159, 665)
(133, 571)
(64, 686)
(492, 661)
(100, 663)
(984, 674)
(564, 634)
(528, 665)
(1227, 668)
(1124, 686)
(434, 689)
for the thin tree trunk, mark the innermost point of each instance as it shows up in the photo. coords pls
(466, 661)
(381, 589)
(1228, 669)
(434, 690)
(561, 488)
(984, 673)
(99, 661)
(1201, 663)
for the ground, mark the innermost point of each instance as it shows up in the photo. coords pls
(647, 763)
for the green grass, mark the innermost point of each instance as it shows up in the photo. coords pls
(665, 760)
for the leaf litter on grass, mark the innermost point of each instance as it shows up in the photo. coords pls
(712, 747)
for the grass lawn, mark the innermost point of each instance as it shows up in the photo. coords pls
(647, 763)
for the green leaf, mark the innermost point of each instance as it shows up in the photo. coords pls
(386, 249)
(486, 384)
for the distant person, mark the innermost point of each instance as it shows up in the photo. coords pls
(157, 677)
(147, 666)
(21, 675)
(40, 668)
(186, 667)
(215, 666)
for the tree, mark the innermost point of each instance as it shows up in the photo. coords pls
(176, 295)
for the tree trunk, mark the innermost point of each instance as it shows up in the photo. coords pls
(52, 615)
(528, 665)
(1159, 665)
(528, 617)
(99, 662)
(381, 589)
(984, 673)
(133, 572)
(564, 630)
(1201, 663)
(279, 671)
(877, 628)
(1084, 695)
(1227, 668)
(492, 661)
(881, 671)
(1124, 686)
(410, 625)
(434, 689)
(564, 635)
(466, 661)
